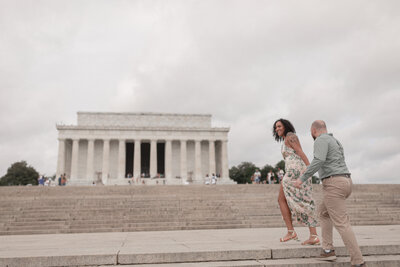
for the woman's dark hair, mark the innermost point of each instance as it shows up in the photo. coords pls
(288, 128)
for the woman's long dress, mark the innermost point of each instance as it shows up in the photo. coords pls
(300, 201)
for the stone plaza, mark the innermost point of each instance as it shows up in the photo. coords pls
(169, 148)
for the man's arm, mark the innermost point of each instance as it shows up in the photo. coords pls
(320, 152)
(315, 165)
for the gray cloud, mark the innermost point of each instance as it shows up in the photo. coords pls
(246, 62)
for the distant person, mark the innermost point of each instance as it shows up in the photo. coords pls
(280, 173)
(41, 180)
(213, 179)
(257, 176)
(207, 180)
(59, 180)
(293, 201)
(64, 180)
(336, 188)
(269, 177)
(274, 181)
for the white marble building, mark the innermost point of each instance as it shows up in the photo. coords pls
(107, 147)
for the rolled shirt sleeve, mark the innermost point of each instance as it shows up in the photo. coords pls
(320, 152)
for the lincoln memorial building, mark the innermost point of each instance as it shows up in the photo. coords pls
(153, 148)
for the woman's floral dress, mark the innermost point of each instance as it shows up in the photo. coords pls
(300, 201)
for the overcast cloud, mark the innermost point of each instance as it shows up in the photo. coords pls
(247, 63)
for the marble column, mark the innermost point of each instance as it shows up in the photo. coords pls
(197, 160)
(137, 159)
(74, 160)
(61, 158)
(106, 161)
(153, 158)
(168, 160)
(224, 160)
(121, 159)
(211, 165)
(183, 161)
(90, 161)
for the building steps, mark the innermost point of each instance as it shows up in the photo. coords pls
(43, 210)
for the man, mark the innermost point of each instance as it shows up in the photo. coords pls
(336, 188)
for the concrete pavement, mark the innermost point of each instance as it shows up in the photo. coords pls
(253, 245)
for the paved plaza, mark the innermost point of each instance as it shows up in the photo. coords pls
(225, 247)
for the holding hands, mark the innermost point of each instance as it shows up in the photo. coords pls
(297, 183)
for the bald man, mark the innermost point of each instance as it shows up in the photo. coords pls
(336, 188)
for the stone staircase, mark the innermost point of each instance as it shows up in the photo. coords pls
(53, 210)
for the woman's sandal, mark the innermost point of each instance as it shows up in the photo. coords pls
(312, 241)
(291, 235)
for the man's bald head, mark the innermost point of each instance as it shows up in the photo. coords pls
(318, 127)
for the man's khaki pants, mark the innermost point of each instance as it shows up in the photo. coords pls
(332, 211)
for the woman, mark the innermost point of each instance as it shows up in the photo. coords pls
(293, 201)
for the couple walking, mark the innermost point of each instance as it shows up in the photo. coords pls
(295, 194)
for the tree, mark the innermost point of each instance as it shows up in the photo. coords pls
(20, 174)
(243, 172)
(315, 180)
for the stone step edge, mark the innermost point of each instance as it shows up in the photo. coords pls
(190, 257)
(372, 261)
(274, 253)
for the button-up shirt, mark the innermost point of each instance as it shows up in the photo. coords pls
(328, 158)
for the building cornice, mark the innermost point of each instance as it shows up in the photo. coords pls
(129, 128)
(144, 114)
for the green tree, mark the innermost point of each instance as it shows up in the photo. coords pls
(20, 174)
(243, 172)
(315, 180)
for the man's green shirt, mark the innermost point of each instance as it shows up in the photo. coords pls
(328, 158)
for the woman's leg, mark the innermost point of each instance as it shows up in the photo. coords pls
(313, 231)
(286, 214)
(285, 211)
(313, 239)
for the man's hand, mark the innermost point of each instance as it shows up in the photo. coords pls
(297, 183)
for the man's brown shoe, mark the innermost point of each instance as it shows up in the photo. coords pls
(327, 256)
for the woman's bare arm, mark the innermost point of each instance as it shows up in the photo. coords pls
(292, 141)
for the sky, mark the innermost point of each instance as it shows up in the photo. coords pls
(245, 62)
